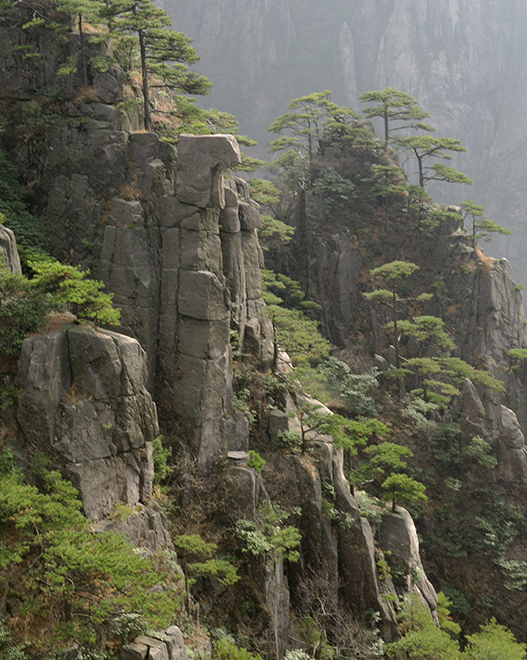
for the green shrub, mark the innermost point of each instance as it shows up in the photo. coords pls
(256, 461)
(30, 231)
(369, 509)
(161, 456)
(77, 578)
(269, 535)
(68, 287)
(22, 310)
(291, 439)
(25, 302)
(226, 649)
(494, 642)
(354, 388)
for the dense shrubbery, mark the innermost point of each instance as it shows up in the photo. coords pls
(29, 229)
(423, 640)
(55, 287)
(75, 584)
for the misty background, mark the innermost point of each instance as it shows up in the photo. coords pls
(463, 60)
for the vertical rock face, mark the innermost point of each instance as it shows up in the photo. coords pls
(184, 262)
(85, 403)
(333, 271)
(178, 247)
(174, 242)
(490, 315)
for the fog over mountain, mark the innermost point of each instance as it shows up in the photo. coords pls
(464, 60)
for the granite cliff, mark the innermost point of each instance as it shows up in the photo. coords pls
(174, 235)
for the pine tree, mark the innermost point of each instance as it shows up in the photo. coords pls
(394, 105)
(308, 118)
(481, 226)
(165, 54)
(393, 274)
(427, 146)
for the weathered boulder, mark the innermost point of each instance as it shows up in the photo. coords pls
(157, 649)
(8, 250)
(84, 402)
(145, 526)
(201, 160)
(134, 651)
(167, 645)
(249, 217)
(175, 644)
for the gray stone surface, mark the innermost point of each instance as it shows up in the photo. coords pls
(8, 250)
(399, 536)
(202, 296)
(134, 651)
(512, 450)
(249, 217)
(201, 161)
(333, 271)
(149, 217)
(175, 644)
(279, 422)
(84, 401)
(157, 649)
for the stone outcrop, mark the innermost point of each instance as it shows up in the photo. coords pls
(168, 645)
(399, 537)
(8, 250)
(333, 270)
(489, 320)
(339, 553)
(512, 450)
(175, 238)
(84, 402)
(174, 241)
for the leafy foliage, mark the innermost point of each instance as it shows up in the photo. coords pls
(161, 456)
(164, 53)
(393, 274)
(393, 105)
(298, 335)
(25, 302)
(68, 287)
(424, 641)
(355, 389)
(198, 560)
(268, 534)
(307, 120)
(402, 488)
(494, 642)
(481, 227)
(425, 147)
(22, 310)
(256, 462)
(63, 568)
(225, 649)
(336, 190)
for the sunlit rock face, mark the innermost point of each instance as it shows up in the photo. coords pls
(462, 59)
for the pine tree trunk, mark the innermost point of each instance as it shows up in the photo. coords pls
(84, 66)
(146, 88)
